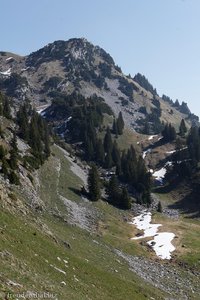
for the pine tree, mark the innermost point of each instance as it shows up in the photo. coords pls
(120, 123)
(2, 152)
(6, 108)
(182, 128)
(115, 154)
(169, 133)
(159, 208)
(4, 167)
(46, 141)
(14, 142)
(108, 141)
(13, 159)
(172, 133)
(13, 178)
(94, 184)
(125, 202)
(113, 191)
(100, 154)
(114, 127)
(22, 120)
(108, 160)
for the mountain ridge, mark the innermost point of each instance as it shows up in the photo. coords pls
(55, 237)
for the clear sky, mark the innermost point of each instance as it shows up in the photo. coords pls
(158, 38)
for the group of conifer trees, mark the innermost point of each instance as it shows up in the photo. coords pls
(34, 130)
(117, 196)
(129, 169)
(118, 125)
(169, 133)
(8, 155)
(29, 126)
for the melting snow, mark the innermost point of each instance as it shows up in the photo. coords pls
(41, 109)
(9, 58)
(160, 174)
(171, 152)
(142, 222)
(25, 69)
(144, 154)
(152, 137)
(161, 242)
(6, 73)
(162, 245)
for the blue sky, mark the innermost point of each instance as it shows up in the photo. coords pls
(158, 38)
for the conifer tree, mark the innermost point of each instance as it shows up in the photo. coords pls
(94, 183)
(115, 154)
(114, 127)
(169, 133)
(182, 128)
(125, 202)
(108, 141)
(100, 154)
(120, 123)
(13, 153)
(46, 141)
(13, 178)
(113, 191)
(22, 120)
(108, 160)
(159, 208)
(2, 152)
(6, 108)
(4, 167)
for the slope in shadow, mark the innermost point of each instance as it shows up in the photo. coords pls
(189, 204)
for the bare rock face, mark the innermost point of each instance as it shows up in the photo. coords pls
(64, 67)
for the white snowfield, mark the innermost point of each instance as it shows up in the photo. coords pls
(162, 245)
(161, 242)
(142, 222)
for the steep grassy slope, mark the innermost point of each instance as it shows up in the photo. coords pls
(43, 252)
(49, 251)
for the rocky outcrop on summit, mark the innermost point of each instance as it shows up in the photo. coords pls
(76, 65)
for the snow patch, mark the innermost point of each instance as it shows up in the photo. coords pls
(142, 222)
(160, 174)
(41, 109)
(171, 152)
(152, 137)
(25, 69)
(162, 245)
(144, 154)
(6, 73)
(161, 242)
(9, 58)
